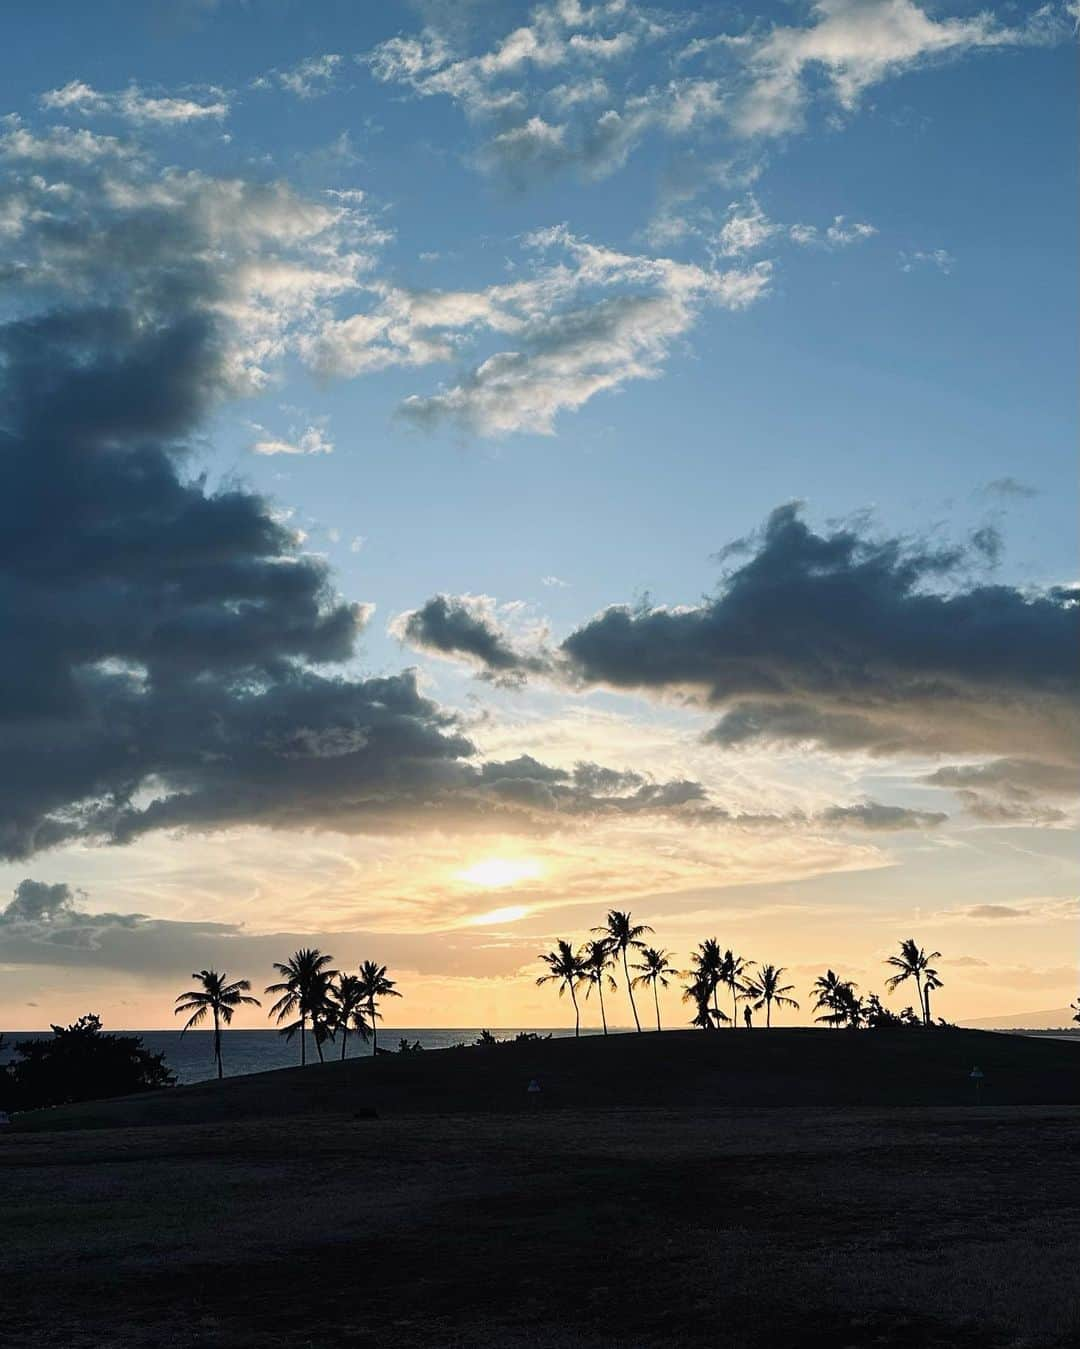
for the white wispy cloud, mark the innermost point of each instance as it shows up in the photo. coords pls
(309, 78)
(311, 439)
(135, 105)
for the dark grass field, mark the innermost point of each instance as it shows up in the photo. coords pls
(643, 1202)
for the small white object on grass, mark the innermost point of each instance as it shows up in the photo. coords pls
(533, 1086)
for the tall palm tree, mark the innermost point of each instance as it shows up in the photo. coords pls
(733, 972)
(833, 997)
(911, 963)
(347, 999)
(707, 963)
(375, 985)
(931, 981)
(566, 968)
(655, 969)
(596, 958)
(622, 936)
(699, 993)
(765, 988)
(305, 993)
(218, 998)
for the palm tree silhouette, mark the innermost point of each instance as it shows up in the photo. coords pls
(707, 963)
(834, 998)
(220, 999)
(565, 968)
(766, 988)
(375, 985)
(733, 970)
(347, 1000)
(699, 992)
(655, 969)
(931, 981)
(622, 935)
(304, 990)
(911, 963)
(596, 958)
(1074, 1007)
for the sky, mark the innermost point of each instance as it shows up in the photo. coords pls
(468, 466)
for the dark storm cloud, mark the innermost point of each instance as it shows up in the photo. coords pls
(452, 626)
(170, 652)
(849, 643)
(873, 815)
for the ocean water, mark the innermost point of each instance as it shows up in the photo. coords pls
(255, 1051)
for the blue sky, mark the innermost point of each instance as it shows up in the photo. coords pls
(540, 307)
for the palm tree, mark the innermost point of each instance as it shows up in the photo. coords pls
(622, 935)
(596, 957)
(347, 999)
(834, 997)
(1074, 1007)
(733, 971)
(707, 969)
(304, 990)
(931, 981)
(699, 994)
(220, 999)
(655, 969)
(566, 968)
(911, 963)
(375, 985)
(766, 988)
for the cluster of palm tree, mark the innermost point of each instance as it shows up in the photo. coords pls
(620, 944)
(309, 995)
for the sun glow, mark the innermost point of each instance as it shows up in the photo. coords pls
(495, 872)
(510, 914)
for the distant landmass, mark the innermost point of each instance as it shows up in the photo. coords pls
(1060, 1018)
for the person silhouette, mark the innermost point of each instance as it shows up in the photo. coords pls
(748, 1017)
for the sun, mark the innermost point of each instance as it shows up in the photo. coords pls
(494, 873)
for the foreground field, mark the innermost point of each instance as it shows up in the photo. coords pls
(623, 1225)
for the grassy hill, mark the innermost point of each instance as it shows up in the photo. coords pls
(676, 1069)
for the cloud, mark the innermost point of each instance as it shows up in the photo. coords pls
(136, 106)
(847, 48)
(874, 815)
(747, 228)
(850, 644)
(1011, 791)
(173, 658)
(466, 626)
(938, 258)
(309, 440)
(309, 78)
(1010, 488)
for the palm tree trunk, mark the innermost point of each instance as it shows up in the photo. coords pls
(734, 1008)
(318, 1037)
(926, 1005)
(217, 1045)
(768, 1013)
(630, 989)
(303, 1039)
(374, 1028)
(656, 1000)
(922, 1000)
(344, 1039)
(603, 1014)
(577, 1012)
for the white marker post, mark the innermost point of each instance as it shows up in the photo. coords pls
(976, 1075)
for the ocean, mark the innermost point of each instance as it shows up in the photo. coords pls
(255, 1051)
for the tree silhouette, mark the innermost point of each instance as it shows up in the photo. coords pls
(766, 989)
(347, 1001)
(622, 935)
(834, 997)
(215, 997)
(566, 968)
(655, 969)
(911, 963)
(1074, 1007)
(305, 994)
(596, 959)
(707, 966)
(375, 985)
(931, 981)
(733, 971)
